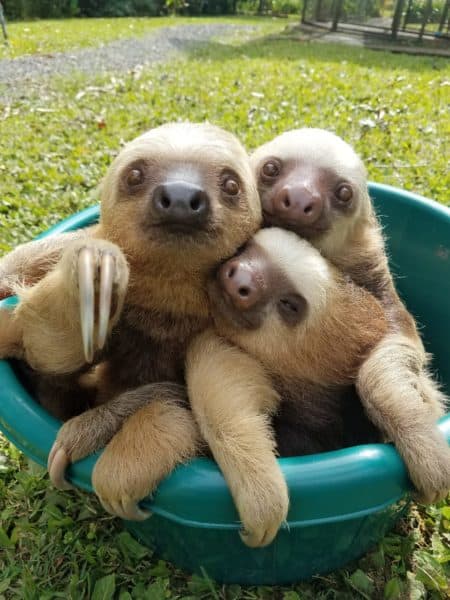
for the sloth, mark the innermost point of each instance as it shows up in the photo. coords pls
(313, 183)
(129, 296)
(281, 335)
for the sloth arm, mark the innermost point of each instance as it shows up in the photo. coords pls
(232, 399)
(147, 432)
(29, 262)
(156, 438)
(50, 321)
(402, 399)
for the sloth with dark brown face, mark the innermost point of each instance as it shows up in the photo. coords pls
(313, 183)
(130, 295)
(282, 338)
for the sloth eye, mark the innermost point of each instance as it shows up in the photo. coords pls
(135, 177)
(344, 193)
(230, 186)
(271, 169)
(291, 308)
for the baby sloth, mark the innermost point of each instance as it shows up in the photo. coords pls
(129, 295)
(282, 335)
(313, 183)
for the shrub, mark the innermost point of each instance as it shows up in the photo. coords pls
(40, 9)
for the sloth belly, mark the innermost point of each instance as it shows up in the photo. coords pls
(313, 419)
(149, 346)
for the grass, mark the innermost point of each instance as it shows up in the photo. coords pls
(47, 37)
(55, 145)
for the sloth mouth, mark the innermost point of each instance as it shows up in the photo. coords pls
(182, 231)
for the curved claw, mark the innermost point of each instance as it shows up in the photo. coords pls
(87, 299)
(58, 461)
(253, 540)
(106, 285)
(125, 508)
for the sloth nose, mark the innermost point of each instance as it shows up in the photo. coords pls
(297, 204)
(180, 202)
(239, 282)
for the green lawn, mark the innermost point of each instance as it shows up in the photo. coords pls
(46, 37)
(54, 148)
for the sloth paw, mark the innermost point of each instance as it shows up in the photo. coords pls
(76, 439)
(99, 271)
(262, 512)
(430, 473)
(120, 483)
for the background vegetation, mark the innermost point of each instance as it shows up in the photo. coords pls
(55, 9)
(56, 142)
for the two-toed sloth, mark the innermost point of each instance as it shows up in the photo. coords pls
(311, 182)
(130, 295)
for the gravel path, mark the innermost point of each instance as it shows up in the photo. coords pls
(121, 55)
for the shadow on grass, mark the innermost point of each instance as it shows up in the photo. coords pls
(280, 48)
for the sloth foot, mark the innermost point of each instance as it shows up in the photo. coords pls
(430, 473)
(101, 276)
(77, 438)
(262, 513)
(121, 484)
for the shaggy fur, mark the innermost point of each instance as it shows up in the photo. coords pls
(159, 305)
(394, 383)
(256, 363)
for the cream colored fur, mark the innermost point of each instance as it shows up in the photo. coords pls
(401, 400)
(394, 384)
(232, 399)
(151, 443)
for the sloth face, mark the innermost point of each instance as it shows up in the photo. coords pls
(181, 186)
(310, 182)
(275, 281)
(249, 287)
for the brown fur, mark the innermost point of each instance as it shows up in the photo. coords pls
(164, 305)
(240, 379)
(394, 382)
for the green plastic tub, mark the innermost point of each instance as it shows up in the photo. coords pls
(342, 502)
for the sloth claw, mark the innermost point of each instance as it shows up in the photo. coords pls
(125, 508)
(106, 286)
(97, 271)
(58, 461)
(87, 301)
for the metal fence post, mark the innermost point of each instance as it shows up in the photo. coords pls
(3, 22)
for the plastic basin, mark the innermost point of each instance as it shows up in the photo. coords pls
(342, 502)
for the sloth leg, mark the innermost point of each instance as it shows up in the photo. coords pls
(151, 443)
(61, 328)
(10, 335)
(403, 401)
(92, 430)
(29, 262)
(232, 399)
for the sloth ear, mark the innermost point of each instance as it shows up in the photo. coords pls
(292, 308)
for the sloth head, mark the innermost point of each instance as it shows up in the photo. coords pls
(265, 296)
(280, 300)
(313, 183)
(182, 191)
